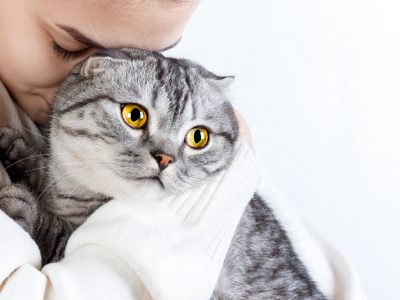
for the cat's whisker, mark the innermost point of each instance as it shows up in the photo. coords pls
(55, 181)
(23, 159)
(44, 190)
(52, 183)
(35, 133)
(44, 154)
(84, 182)
(51, 187)
(68, 164)
(44, 137)
(76, 187)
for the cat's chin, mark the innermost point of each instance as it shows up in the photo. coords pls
(162, 185)
(138, 190)
(150, 181)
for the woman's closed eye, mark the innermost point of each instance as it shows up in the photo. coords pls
(66, 54)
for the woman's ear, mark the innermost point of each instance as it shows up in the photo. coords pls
(95, 65)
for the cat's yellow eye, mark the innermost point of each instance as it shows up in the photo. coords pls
(134, 115)
(197, 137)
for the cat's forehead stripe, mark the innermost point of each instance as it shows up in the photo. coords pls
(174, 82)
(86, 102)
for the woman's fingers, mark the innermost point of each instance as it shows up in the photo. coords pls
(244, 132)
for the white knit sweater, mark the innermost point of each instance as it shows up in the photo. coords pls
(169, 249)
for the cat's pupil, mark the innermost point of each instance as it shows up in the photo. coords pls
(135, 114)
(197, 136)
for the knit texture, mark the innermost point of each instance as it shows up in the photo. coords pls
(115, 255)
(165, 248)
(176, 244)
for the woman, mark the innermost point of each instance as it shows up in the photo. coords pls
(40, 42)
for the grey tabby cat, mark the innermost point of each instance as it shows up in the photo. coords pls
(129, 119)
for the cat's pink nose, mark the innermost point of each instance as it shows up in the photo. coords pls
(163, 160)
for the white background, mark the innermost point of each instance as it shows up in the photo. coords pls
(319, 84)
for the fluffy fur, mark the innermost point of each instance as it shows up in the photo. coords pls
(94, 156)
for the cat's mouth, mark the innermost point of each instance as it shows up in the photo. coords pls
(152, 178)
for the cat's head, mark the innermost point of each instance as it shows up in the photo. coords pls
(129, 119)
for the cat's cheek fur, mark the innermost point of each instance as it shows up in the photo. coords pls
(170, 179)
(189, 151)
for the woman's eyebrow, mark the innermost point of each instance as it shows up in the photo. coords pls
(80, 37)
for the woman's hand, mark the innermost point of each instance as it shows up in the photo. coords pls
(244, 132)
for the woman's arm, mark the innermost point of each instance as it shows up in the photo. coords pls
(125, 250)
(172, 249)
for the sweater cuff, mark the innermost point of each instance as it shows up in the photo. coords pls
(17, 247)
(93, 272)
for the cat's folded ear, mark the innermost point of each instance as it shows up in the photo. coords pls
(95, 65)
(222, 81)
(102, 60)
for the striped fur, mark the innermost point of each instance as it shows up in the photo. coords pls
(94, 156)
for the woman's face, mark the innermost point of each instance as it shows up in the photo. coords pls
(41, 40)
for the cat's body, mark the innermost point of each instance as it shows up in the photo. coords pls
(96, 155)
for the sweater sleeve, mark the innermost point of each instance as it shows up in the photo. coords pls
(105, 256)
(91, 272)
(172, 248)
(176, 245)
(20, 260)
(104, 259)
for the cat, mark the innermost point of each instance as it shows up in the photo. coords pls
(116, 115)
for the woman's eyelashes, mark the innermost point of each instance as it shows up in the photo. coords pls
(66, 54)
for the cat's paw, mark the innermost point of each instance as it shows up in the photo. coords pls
(20, 205)
(21, 161)
(11, 143)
